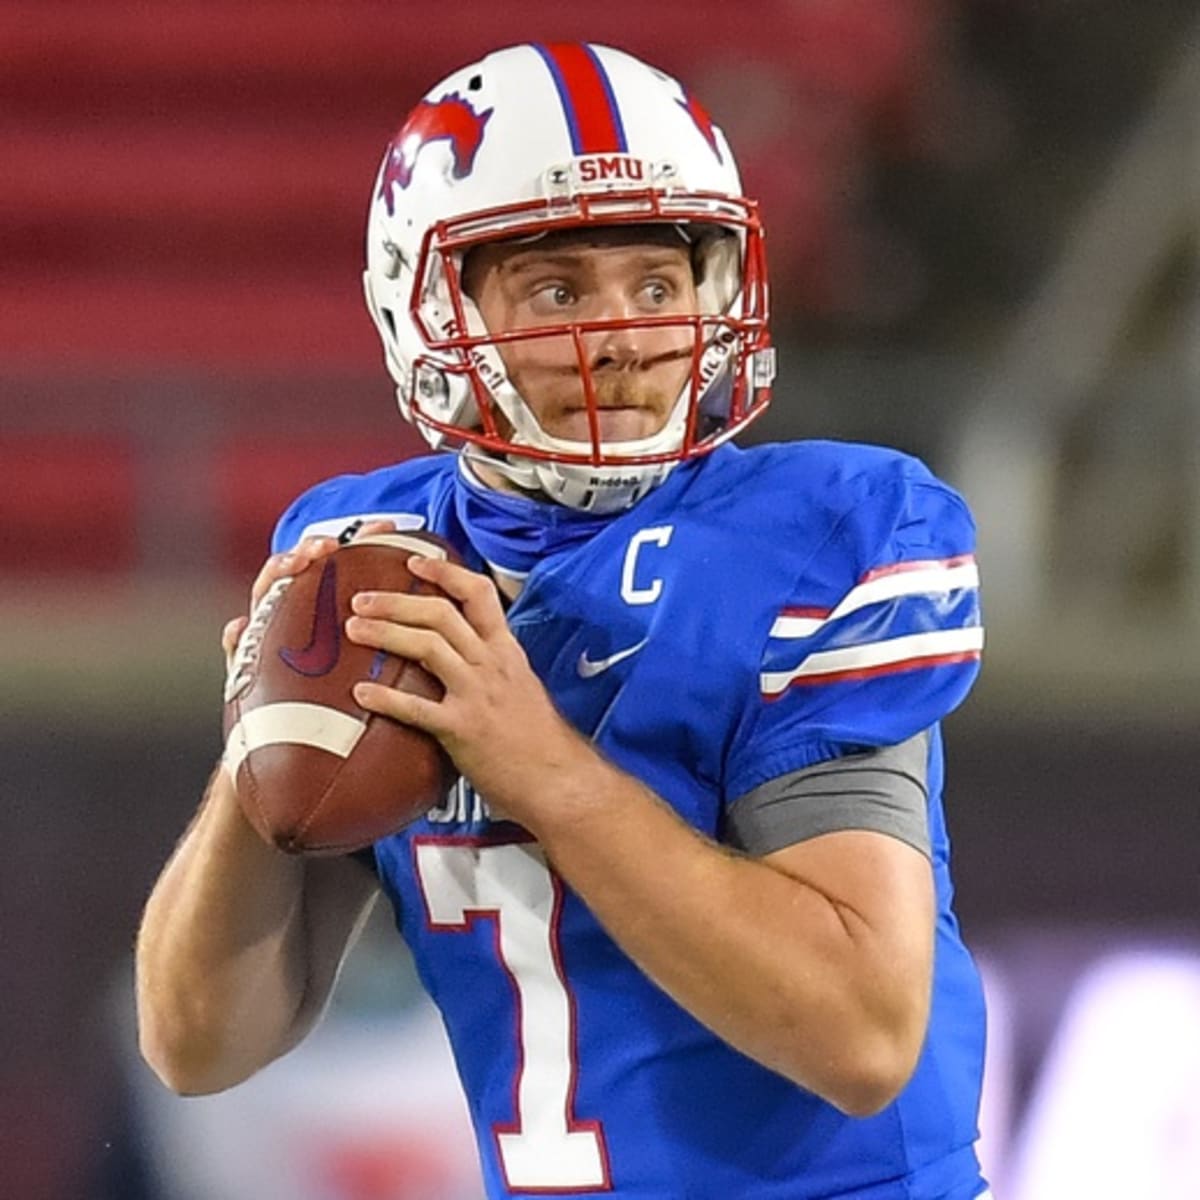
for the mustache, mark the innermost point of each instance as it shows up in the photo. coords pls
(614, 392)
(626, 387)
(625, 391)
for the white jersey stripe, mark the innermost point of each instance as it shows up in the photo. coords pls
(335, 526)
(875, 655)
(928, 581)
(292, 723)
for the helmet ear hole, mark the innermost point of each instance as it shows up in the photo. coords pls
(390, 319)
(717, 267)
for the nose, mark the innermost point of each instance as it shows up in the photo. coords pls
(617, 348)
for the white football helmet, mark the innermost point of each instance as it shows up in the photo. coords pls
(541, 138)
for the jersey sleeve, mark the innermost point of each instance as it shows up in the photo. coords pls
(407, 494)
(301, 516)
(879, 640)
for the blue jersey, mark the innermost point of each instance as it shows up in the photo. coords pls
(760, 612)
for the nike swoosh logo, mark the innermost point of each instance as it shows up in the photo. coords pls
(589, 667)
(324, 643)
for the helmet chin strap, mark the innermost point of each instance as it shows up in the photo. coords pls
(607, 489)
(483, 465)
(599, 489)
(611, 487)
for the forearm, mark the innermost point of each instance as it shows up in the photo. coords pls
(816, 962)
(708, 926)
(220, 975)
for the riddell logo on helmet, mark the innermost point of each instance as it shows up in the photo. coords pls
(488, 371)
(612, 482)
(450, 119)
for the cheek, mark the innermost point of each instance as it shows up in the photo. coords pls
(674, 353)
(544, 375)
(672, 382)
(538, 356)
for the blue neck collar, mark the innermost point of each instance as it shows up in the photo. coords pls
(514, 532)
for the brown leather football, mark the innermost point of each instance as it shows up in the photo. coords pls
(314, 772)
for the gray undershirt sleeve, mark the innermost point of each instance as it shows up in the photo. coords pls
(883, 789)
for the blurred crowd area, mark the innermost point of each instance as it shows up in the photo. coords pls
(983, 221)
(982, 229)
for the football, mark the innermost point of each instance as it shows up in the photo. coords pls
(314, 772)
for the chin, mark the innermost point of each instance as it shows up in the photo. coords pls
(616, 425)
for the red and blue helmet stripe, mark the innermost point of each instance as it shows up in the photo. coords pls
(590, 108)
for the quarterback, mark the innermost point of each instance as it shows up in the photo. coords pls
(688, 914)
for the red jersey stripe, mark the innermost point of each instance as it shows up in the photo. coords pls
(924, 564)
(852, 674)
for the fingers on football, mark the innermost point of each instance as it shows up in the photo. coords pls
(422, 612)
(425, 646)
(367, 528)
(290, 562)
(475, 592)
(230, 635)
(402, 706)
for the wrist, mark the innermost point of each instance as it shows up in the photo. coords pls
(577, 796)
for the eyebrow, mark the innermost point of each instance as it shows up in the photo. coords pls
(654, 257)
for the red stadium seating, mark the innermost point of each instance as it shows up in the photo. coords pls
(68, 503)
(256, 478)
(181, 219)
(185, 184)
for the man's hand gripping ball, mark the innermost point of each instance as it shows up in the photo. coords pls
(316, 772)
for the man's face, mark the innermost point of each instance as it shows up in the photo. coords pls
(591, 276)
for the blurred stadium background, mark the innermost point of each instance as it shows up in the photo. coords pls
(983, 220)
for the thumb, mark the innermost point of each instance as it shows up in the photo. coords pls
(230, 634)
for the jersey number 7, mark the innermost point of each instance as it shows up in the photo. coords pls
(464, 880)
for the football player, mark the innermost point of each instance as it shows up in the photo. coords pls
(688, 916)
